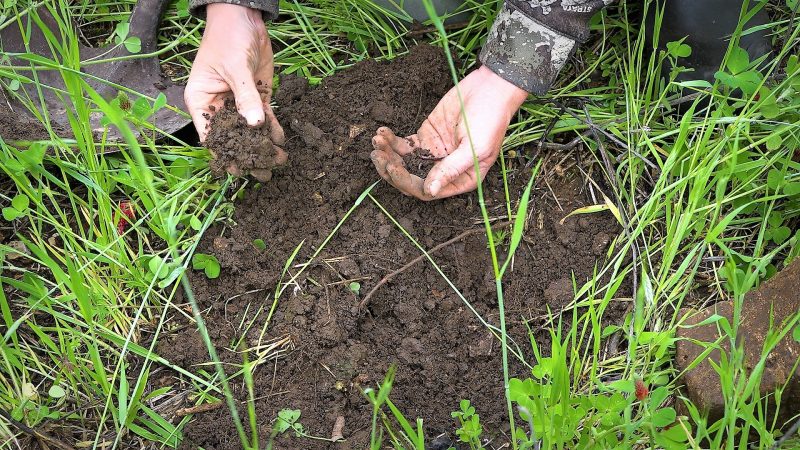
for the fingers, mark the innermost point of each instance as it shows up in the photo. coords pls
(449, 169)
(406, 182)
(466, 182)
(280, 156)
(400, 145)
(248, 99)
(452, 175)
(445, 171)
(382, 156)
(386, 151)
(200, 105)
(390, 166)
(275, 129)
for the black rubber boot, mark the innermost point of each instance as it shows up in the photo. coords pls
(707, 26)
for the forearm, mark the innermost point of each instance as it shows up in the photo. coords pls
(269, 8)
(531, 41)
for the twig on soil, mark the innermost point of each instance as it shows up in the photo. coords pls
(571, 145)
(626, 224)
(613, 343)
(37, 434)
(272, 394)
(419, 258)
(686, 98)
(592, 125)
(550, 127)
(204, 407)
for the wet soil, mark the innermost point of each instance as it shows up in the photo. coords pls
(237, 148)
(419, 162)
(324, 349)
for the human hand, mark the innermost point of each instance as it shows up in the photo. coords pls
(235, 57)
(489, 104)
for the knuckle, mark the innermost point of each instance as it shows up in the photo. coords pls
(248, 96)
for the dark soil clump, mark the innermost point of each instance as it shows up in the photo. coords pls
(238, 148)
(419, 162)
(319, 349)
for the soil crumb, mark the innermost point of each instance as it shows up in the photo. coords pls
(238, 148)
(319, 350)
(419, 162)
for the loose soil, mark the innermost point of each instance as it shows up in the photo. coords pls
(331, 350)
(238, 148)
(419, 162)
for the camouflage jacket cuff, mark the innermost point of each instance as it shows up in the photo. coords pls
(269, 8)
(524, 51)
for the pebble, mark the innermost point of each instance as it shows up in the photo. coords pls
(21, 250)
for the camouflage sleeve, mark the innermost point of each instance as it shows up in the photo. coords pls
(531, 40)
(268, 7)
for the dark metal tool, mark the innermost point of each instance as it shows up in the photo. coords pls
(141, 74)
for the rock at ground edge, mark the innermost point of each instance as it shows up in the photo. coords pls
(774, 302)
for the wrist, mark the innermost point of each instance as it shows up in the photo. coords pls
(514, 95)
(226, 13)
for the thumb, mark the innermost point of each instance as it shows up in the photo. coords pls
(448, 169)
(248, 99)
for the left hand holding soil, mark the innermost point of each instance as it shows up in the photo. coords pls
(489, 104)
(235, 60)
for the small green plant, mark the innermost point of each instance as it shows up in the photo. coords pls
(122, 37)
(158, 267)
(355, 287)
(288, 419)
(138, 111)
(18, 208)
(195, 223)
(470, 429)
(498, 237)
(259, 244)
(56, 391)
(739, 75)
(206, 263)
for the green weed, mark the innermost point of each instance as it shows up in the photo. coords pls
(470, 428)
